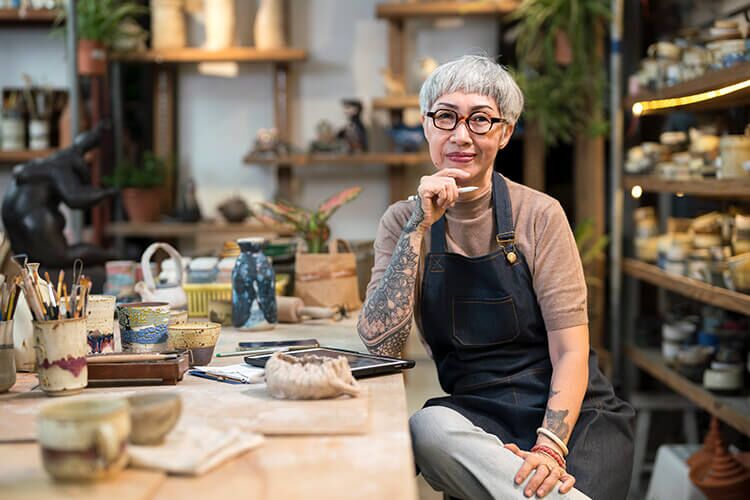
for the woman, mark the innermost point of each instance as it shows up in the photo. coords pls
(495, 283)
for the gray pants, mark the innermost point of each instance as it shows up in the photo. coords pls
(463, 461)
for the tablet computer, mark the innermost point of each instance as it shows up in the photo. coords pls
(265, 344)
(363, 365)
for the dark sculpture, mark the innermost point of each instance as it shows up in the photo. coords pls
(354, 132)
(30, 211)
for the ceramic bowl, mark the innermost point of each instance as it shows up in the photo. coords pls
(198, 337)
(178, 317)
(152, 416)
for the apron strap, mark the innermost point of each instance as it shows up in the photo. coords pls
(503, 210)
(437, 236)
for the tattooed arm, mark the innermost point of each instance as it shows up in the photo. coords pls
(386, 316)
(569, 352)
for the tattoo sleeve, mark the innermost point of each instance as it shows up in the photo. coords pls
(385, 321)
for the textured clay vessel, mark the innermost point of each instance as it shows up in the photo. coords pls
(152, 416)
(722, 478)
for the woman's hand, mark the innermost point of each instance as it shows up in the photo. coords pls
(546, 473)
(437, 192)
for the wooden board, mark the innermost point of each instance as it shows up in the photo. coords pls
(687, 287)
(13, 157)
(166, 372)
(195, 55)
(445, 9)
(719, 188)
(28, 17)
(396, 102)
(24, 478)
(300, 160)
(733, 410)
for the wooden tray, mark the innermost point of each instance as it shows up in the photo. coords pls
(165, 372)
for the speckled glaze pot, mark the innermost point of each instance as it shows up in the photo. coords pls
(84, 439)
(143, 326)
(100, 323)
(199, 338)
(61, 349)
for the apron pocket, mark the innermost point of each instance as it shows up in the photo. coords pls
(479, 323)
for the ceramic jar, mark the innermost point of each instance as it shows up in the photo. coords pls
(38, 134)
(143, 326)
(12, 132)
(61, 350)
(269, 25)
(100, 323)
(253, 287)
(7, 359)
(168, 24)
(84, 439)
(219, 18)
(735, 156)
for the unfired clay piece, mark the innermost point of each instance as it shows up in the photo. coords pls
(309, 377)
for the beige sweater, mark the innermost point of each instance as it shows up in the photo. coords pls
(542, 234)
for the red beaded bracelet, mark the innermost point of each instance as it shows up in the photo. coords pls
(550, 453)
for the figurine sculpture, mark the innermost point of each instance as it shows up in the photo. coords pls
(354, 132)
(269, 145)
(326, 140)
(31, 213)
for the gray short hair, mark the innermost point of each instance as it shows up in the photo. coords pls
(474, 74)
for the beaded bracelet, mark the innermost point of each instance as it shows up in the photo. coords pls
(559, 442)
(546, 450)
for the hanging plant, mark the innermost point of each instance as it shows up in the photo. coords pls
(559, 70)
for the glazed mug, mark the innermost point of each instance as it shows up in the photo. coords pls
(143, 326)
(100, 323)
(84, 439)
(7, 356)
(199, 338)
(61, 350)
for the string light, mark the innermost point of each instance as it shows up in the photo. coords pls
(645, 106)
(636, 191)
(680, 195)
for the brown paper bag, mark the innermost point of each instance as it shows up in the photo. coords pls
(327, 279)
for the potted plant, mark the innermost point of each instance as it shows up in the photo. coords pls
(141, 187)
(312, 226)
(101, 24)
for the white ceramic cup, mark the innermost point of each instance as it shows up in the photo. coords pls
(61, 350)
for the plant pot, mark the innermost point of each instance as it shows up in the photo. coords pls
(92, 58)
(142, 204)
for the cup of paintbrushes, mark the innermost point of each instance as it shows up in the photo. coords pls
(61, 349)
(7, 356)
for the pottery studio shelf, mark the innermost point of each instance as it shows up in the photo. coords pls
(301, 160)
(738, 75)
(27, 17)
(445, 9)
(735, 411)
(197, 55)
(13, 157)
(718, 188)
(187, 229)
(688, 287)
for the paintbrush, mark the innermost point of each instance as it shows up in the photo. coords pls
(461, 190)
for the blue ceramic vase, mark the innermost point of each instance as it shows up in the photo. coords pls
(253, 287)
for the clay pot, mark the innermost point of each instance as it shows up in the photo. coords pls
(234, 209)
(92, 58)
(704, 454)
(199, 338)
(722, 477)
(142, 204)
(152, 416)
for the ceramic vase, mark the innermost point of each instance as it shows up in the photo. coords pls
(61, 350)
(143, 326)
(168, 24)
(253, 287)
(100, 323)
(7, 361)
(269, 25)
(38, 134)
(219, 17)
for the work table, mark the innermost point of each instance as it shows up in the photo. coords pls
(376, 463)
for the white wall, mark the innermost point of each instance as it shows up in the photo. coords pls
(218, 117)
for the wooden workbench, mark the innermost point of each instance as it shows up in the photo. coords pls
(376, 464)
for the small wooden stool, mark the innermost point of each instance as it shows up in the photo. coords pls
(647, 403)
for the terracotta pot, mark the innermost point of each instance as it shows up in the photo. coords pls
(92, 58)
(142, 204)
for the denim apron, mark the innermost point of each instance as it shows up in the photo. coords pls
(482, 321)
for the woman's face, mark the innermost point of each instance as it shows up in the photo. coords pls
(461, 148)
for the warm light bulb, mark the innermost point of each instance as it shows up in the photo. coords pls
(636, 191)
(673, 102)
(680, 195)
(637, 109)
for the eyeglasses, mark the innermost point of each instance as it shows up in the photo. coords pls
(478, 122)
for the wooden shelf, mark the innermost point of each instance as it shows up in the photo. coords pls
(687, 287)
(13, 157)
(712, 80)
(196, 55)
(722, 188)
(187, 229)
(733, 410)
(25, 17)
(301, 160)
(396, 102)
(397, 11)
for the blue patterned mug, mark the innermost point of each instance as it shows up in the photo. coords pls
(144, 326)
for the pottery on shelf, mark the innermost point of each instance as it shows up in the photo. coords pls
(269, 25)
(152, 416)
(234, 210)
